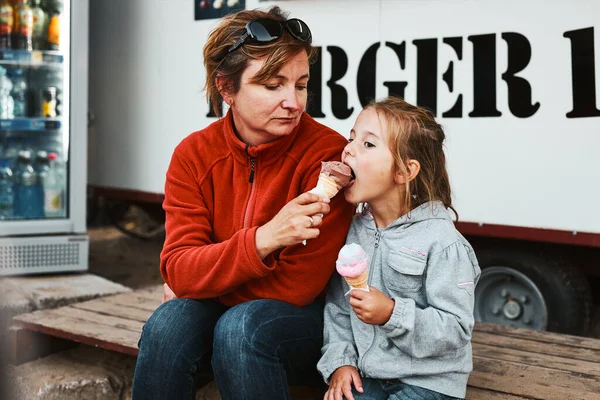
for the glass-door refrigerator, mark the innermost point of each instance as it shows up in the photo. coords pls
(43, 135)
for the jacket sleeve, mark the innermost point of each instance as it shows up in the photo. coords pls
(195, 266)
(338, 340)
(304, 271)
(447, 323)
(191, 264)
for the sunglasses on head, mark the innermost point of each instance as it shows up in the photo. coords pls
(264, 30)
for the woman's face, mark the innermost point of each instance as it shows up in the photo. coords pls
(369, 156)
(265, 112)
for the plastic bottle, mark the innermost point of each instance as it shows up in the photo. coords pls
(54, 31)
(54, 9)
(26, 203)
(18, 92)
(54, 188)
(24, 32)
(7, 23)
(39, 25)
(7, 196)
(42, 169)
(6, 100)
(12, 146)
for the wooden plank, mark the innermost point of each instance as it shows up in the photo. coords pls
(539, 336)
(25, 345)
(155, 291)
(107, 320)
(542, 360)
(474, 393)
(149, 295)
(532, 381)
(533, 346)
(56, 323)
(104, 307)
(134, 300)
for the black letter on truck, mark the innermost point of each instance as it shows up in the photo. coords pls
(519, 90)
(484, 76)
(339, 95)
(366, 75)
(427, 73)
(314, 105)
(583, 73)
(396, 88)
(448, 76)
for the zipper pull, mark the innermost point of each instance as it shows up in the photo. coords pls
(251, 180)
(377, 237)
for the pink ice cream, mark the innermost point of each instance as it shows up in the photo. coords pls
(352, 261)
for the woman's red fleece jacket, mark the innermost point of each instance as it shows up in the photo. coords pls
(214, 204)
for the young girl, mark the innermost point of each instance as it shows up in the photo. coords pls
(409, 336)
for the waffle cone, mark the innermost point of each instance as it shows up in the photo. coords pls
(328, 184)
(360, 282)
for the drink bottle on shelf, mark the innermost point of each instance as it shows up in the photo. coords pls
(18, 92)
(53, 10)
(39, 26)
(6, 100)
(41, 168)
(53, 39)
(54, 188)
(7, 197)
(23, 38)
(7, 23)
(26, 205)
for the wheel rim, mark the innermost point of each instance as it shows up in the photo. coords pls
(508, 297)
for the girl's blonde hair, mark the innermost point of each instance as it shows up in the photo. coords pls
(414, 134)
(219, 62)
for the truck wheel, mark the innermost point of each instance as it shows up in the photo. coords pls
(532, 289)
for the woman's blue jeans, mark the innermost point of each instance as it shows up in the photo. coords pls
(258, 348)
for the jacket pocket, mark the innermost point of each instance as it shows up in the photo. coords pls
(405, 272)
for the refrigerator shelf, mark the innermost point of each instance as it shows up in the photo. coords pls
(36, 57)
(29, 124)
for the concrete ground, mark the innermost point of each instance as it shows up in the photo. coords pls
(89, 373)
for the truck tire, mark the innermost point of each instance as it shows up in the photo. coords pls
(532, 288)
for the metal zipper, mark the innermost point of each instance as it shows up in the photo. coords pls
(251, 179)
(252, 191)
(371, 263)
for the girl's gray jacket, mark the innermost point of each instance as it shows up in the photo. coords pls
(430, 270)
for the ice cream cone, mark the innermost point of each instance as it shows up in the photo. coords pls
(353, 265)
(360, 282)
(333, 177)
(328, 185)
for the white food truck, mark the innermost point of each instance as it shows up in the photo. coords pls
(515, 83)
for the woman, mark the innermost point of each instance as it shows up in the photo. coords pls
(237, 213)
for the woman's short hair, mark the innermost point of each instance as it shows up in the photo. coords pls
(219, 62)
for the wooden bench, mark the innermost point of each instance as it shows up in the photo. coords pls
(508, 363)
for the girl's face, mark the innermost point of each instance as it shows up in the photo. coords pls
(369, 156)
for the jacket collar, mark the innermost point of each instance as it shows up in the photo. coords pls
(265, 153)
(426, 211)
